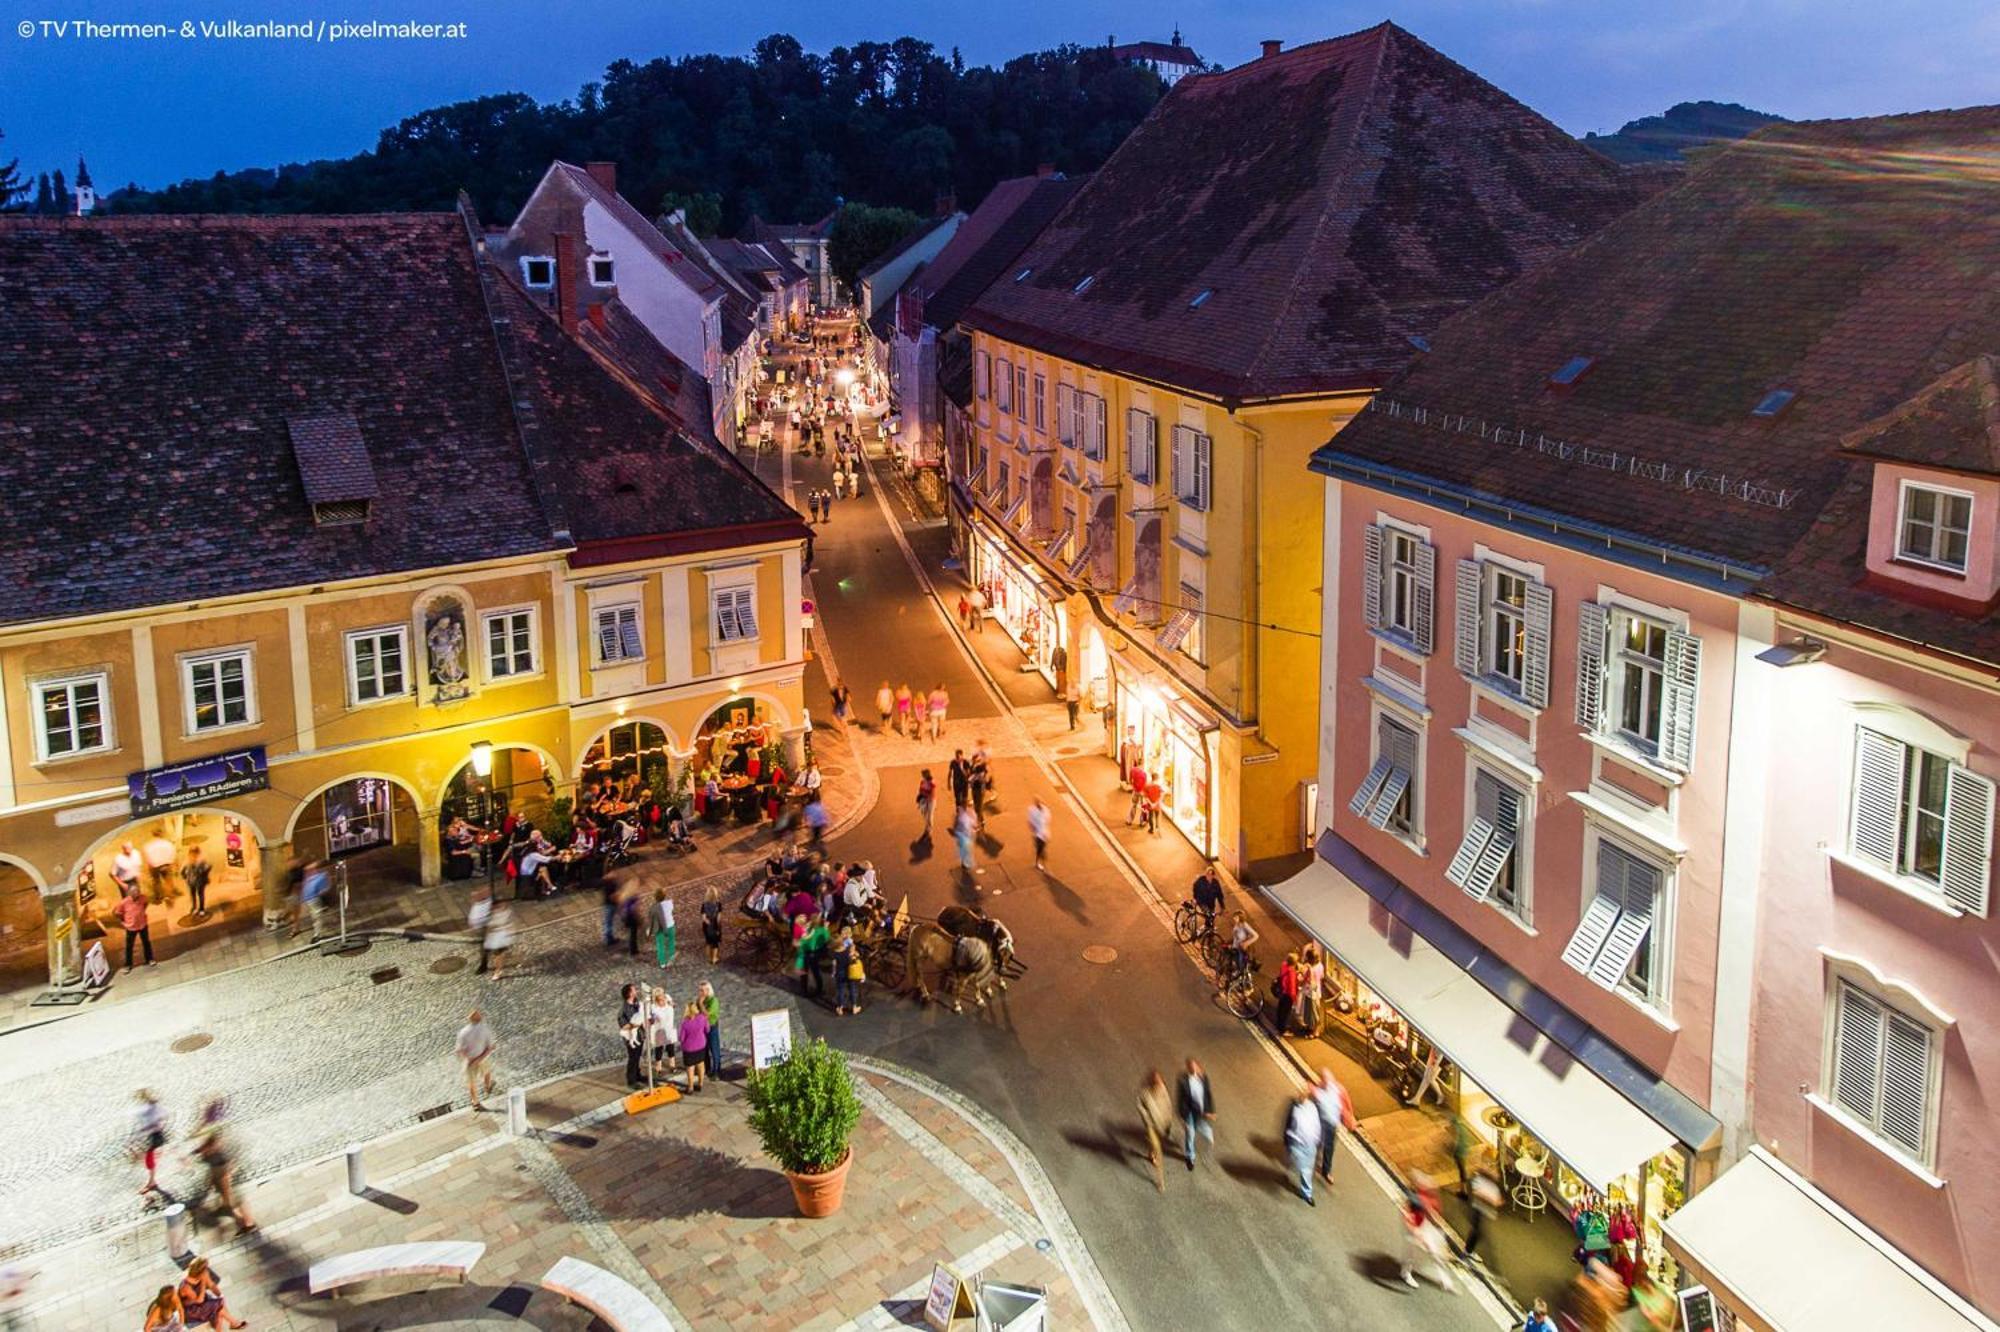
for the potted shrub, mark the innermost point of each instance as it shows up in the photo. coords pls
(804, 1111)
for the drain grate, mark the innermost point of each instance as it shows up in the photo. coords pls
(444, 966)
(435, 1112)
(188, 1044)
(383, 975)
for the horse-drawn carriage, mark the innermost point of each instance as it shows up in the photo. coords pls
(964, 951)
(764, 942)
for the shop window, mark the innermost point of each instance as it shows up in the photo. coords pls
(602, 271)
(73, 716)
(1486, 864)
(1191, 460)
(1041, 402)
(1003, 387)
(1502, 629)
(1387, 797)
(1638, 680)
(1616, 942)
(618, 637)
(510, 643)
(1883, 1070)
(735, 614)
(1398, 584)
(377, 664)
(1935, 526)
(215, 690)
(1923, 818)
(538, 272)
(1142, 445)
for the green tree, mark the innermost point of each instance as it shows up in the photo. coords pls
(862, 234)
(704, 210)
(12, 186)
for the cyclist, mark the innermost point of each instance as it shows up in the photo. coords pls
(1208, 896)
(1241, 936)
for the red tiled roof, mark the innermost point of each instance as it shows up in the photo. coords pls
(1952, 422)
(1335, 199)
(988, 242)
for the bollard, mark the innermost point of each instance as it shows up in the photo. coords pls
(357, 1173)
(517, 1111)
(180, 1233)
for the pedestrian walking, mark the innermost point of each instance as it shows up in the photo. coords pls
(607, 892)
(711, 1008)
(1156, 1116)
(666, 940)
(316, 891)
(149, 1136)
(964, 612)
(1486, 1200)
(1156, 796)
(1288, 993)
(131, 913)
(694, 1045)
(978, 610)
(920, 709)
(214, 1148)
(1194, 1101)
(1312, 981)
(964, 825)
(810, 961)
(631, 1029)
(976, 785)
(1423, 1235)
(841, 700)
(959, 774)
(1038, 828)
(1302, 1129)
(903, 711)
(475, 1046)
(711, 923)
(499, 938)
(939, 702)
(195, 875)
(1073, 700)
(885, 705)
(1336, 1109)
(926, 799)
(1135, 812)
(816, 819)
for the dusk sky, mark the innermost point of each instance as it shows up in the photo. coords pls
(156, 111)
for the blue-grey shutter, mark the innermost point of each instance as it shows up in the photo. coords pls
(1097, 428)
(1606, 904)
(1906, 1082)
(1879, 767)
(1540, 620)
(746, 613)
(1681, 679)
(1423, 599)
(1592, 628)
(1202, 460)
(1174, 457)
(1371, 786)
(607, 637)
(1857, 1052)
(1465, 653)
(1371, 576)
(1967, 870)
(1505, 821)
(1641, 886)
(628, 632)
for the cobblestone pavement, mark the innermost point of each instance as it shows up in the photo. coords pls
(678, 1201)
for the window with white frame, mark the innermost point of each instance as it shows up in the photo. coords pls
(1935, 526)
(618, 637)
(1387, 797)
(1191, 467)
(216, 690)
(1503, 621)
(1195, 644)
(982, 373)
(538, 272)
(735, 613)
(1487, 862)
(1142, 445)
(1883, 1068)
(1398, 581)
(1638, 680)
(378, 663)
(1041, 402)
(1003, 386)
(73, 716)
(1021, 392)
(1091, 407)
(1924, 818)
(1616, 943)
(1066, 414)
(602, 270)
(510, 642)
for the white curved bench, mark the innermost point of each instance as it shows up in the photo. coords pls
(612, 1298)
(453, 1258)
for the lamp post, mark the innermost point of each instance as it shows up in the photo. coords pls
(482, 767)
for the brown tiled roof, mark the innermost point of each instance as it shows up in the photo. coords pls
(150, 373)
(645, 231)
(988, 242)
(1849, 262)
(678, 392)
(332, 457)
(1334, 199)
(1952, 422)
(903, 246)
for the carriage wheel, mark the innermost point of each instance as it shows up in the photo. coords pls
(889, 965)
(751, 947)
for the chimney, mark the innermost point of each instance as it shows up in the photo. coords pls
(604, 173)
(565, 248)
(947, 204)
(1271, 47)
(1043, 170)
(597, 317)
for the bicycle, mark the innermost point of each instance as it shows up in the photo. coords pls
(1238, 987)
(1192, 925)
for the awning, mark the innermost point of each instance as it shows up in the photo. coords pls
(1790, 1258)
(1601, 1135)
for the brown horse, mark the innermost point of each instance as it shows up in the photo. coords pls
(958, 964)
(970, 922)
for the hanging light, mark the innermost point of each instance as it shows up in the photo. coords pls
(482, 757)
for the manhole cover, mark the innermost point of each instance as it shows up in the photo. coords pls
(189, 1044)
(1100, 954)
(1043, 1246)
(830, 770)
(444, 966)
(383, 975)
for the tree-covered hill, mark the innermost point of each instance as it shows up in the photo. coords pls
(1685, 126)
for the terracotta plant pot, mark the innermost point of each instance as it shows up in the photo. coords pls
(820, 1195)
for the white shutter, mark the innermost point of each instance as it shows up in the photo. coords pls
(1202, 447)
(1540, 621)
(1371, 576)
(1906, 1081)
(1857, 1052)
(1967, 871)
(1641, 885)
(1371, 786)
(1174, 461)
(1477, 835)
(1592, 627)
(1423, 599)
(1398, 745)
(1465, 653)
(1879, 767)
(725, 617)
(1097, 427)
(1390, 796)
(1066, 414)
(746, 612)
(1593, 929)
(1682, 689)
(1505, 822)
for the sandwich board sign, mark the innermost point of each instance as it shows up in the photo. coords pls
(1697, 1309)
(770, 1038)
(949, 1306)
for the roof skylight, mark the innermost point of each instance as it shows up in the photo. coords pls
(1421, 343)
(1022, 276)
(1084, 285)
(1572, 370)
(1201, 298)
(1773, 402)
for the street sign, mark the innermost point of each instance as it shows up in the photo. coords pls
(770, 1037)
(950, 1303)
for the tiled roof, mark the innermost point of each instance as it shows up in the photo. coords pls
(616, 337)
(332, 457)
(904, 246)
(988, 242)
(151, 370)
(1849, 262)
(1954, 422)
(645, 231)
(1167, 53)
(1334, 200)
(760, 230)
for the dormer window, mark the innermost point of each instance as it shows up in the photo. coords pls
(538, 272)
(1934, 527)
(602, 270)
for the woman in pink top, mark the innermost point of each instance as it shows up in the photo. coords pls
(939, 701)
(694, 1045)
(131, 911)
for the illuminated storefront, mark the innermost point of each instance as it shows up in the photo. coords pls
(1021, 601)
(1178, 745)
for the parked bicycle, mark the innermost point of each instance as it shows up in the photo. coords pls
(1237, 983)
(1194, 926)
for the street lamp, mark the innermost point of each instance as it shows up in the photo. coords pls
(482, 757)
(844, 377)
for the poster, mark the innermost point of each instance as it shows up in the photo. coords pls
(232, 841)
(770, 1037)
(196, 782)
(358, 815)
(948, 1302)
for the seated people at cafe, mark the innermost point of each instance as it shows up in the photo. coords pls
(535, 863)
(809, 779)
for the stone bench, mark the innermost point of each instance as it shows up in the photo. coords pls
(453, 1258)
(615, 1301)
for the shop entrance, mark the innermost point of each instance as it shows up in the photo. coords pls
(1094, 670)
(163, 858)
(1020, 602)
(24, 953)
(1176, 751)
(629, 756)
(517, 782)
(369, 822)
(733, 735)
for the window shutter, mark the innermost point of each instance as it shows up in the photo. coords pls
(1539, 622)
(1477, 835)
(1606, 904)
(1635, 921)
(725, 617)
(1133, 467)
(607, 637)
(1593, 626)
(1857, 1052)
(1399, 747)
(1174, 458)
(1202, 446)
(1465, 652)
(1391, 795)
(1484, 872)
(1879, 765)
(1371, 576)
(1152, 449)
(1371, 786)
(1682, 688)
(1967, 870)
(746, 613)
(628, 632)
(1423, 599)
(1906, 1081)
(1097, 428)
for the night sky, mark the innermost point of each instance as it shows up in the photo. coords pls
(154, 111)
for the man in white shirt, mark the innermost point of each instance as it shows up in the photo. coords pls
(475, 1047)
(1038, 828)
(1302, 1130)
(1330, 1099)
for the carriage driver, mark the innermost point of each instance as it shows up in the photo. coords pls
(861, 898)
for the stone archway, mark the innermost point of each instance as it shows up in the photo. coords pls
(24, 956)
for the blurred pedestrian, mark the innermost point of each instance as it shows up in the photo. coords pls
(711, 923)
(195, 875)
(1195, 1101)
(475, 1047)
(1538, 1318)
(939, 702)
(1073, 700)
(1038, 829)
(215, 1150)
(848, 973)
(959, 773)
(666, 939)
(1423, 1235)
(903, 704)
(149, 1136)
(885, 705)
(842, 701)
(1156, 1115)
(499, 937)
(1486, 1200)
(1288, 992)
(964, 826)
(1336, 1111)
(1302, 1129)
(164, 1314)
(926, 798)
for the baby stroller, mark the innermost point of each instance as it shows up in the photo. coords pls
(618, 843)
(674, 833)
